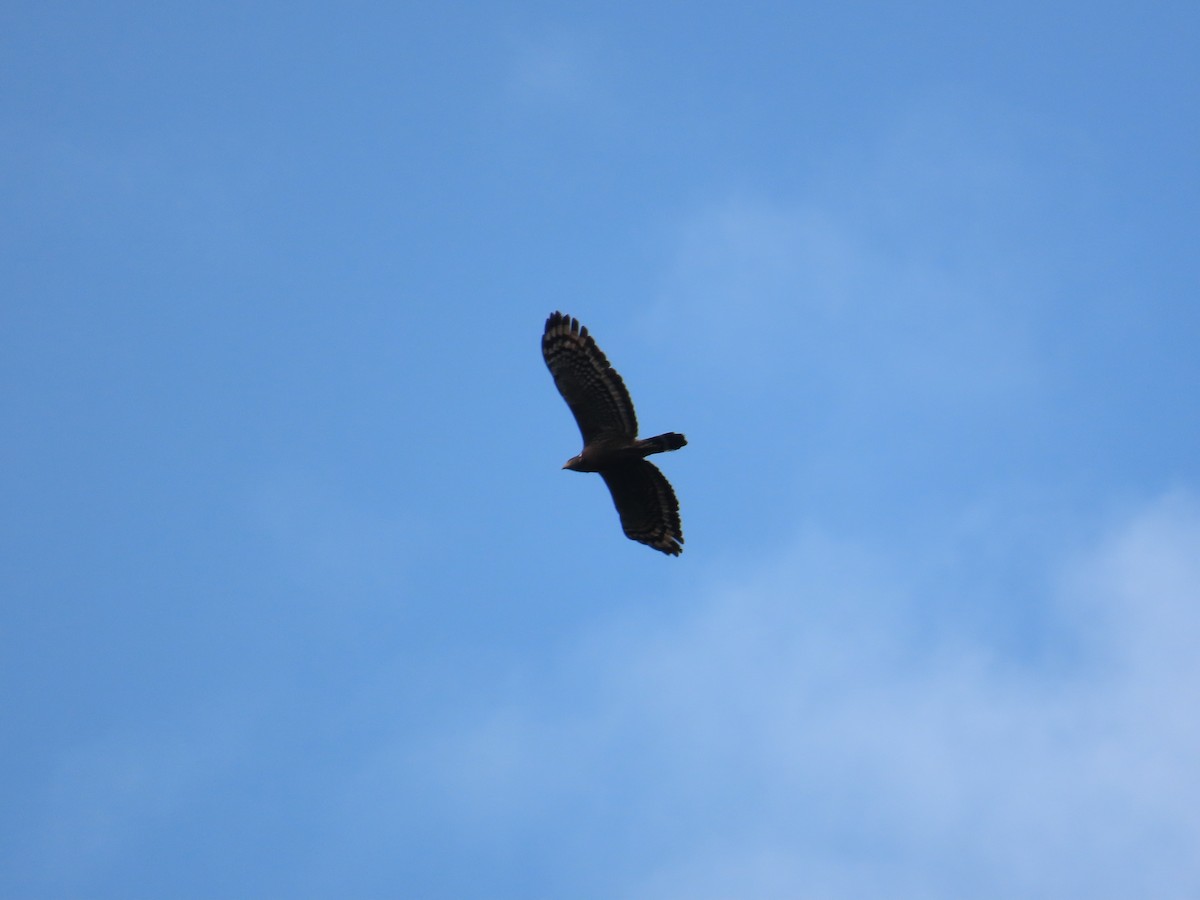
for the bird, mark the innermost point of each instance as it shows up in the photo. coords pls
(600, 402)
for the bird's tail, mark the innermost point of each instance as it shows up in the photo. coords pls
(661, 443)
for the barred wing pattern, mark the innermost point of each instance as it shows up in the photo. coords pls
(602, 408)
(592, 388)
(647, 505)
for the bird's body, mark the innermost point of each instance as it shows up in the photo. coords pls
(604, 453)
(604, 412)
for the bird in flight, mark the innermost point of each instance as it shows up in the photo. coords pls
(600, 403)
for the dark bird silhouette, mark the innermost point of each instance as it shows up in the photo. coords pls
(600, 403)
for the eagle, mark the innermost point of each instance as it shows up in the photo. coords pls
(600, 403)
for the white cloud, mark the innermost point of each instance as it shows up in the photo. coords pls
(798, 735)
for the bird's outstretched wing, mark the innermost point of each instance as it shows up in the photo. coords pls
(592, 388)
(647, 505)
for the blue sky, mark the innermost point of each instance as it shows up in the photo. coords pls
(298, 602)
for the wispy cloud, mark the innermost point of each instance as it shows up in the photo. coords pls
(107, 796)
(324, 539)
(552, 69)
(907, 261)
(801, 733)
